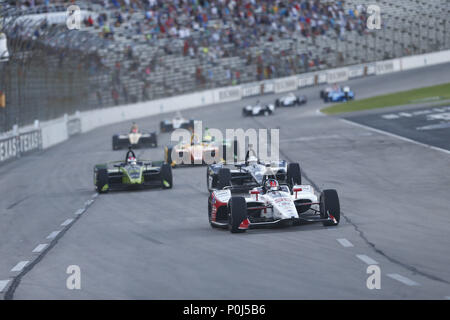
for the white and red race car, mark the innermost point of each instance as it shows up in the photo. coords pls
(271, 206)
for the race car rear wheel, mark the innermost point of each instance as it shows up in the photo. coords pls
(294, 175)
(237, 212)
(102, 180)
(224, 178)
(115, 142)
(330, 207)
(166, 176)
(168, 156)
(154, 142)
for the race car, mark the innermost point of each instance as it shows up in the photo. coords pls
(273, 204)
(199, 151)
(136, 139)
(249, 174)
(290, 100)
(132, 174)
(258, 110)
(337, 94)
(178, 122)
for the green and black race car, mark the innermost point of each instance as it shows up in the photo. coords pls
(132, 174)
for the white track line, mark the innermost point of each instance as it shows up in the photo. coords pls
(80, 211)
(345, 243)
(402, 279)
(396, 136)
(95, 195)
(53, 235)
(366, 259)
(18, 267)
(3, 284)
(67, 222)
(40, 247)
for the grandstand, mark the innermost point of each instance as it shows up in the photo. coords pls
(130, 51)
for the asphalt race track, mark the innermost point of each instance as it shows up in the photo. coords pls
(429, 125)
(158, 244)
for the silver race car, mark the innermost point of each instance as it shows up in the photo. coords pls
(290, 100)
(249, 174)
(178, 122)
(258, 109)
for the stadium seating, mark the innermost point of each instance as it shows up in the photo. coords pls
(133, 63)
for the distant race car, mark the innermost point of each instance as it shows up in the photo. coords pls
(272, 204)
(136, 139)
(178, 122)
(132, 174)
(250, 174)
(258, 110)
(199, 152)
(290, 100)
(337, 94)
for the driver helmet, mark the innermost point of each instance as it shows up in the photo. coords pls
(252, 160)
(272, 184)
(131, 160)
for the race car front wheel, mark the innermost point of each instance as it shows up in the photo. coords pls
(330, 207)
(102, 180)
(166, 176)
(237, 213)
(294, 175)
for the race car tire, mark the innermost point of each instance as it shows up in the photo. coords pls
(224, 178)
(162, 126)
(115, 142)
(102, 180)
(237, 212)
(293, 175)
(168, 155)
(166, 176)
(329, 205)
(154, 141)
